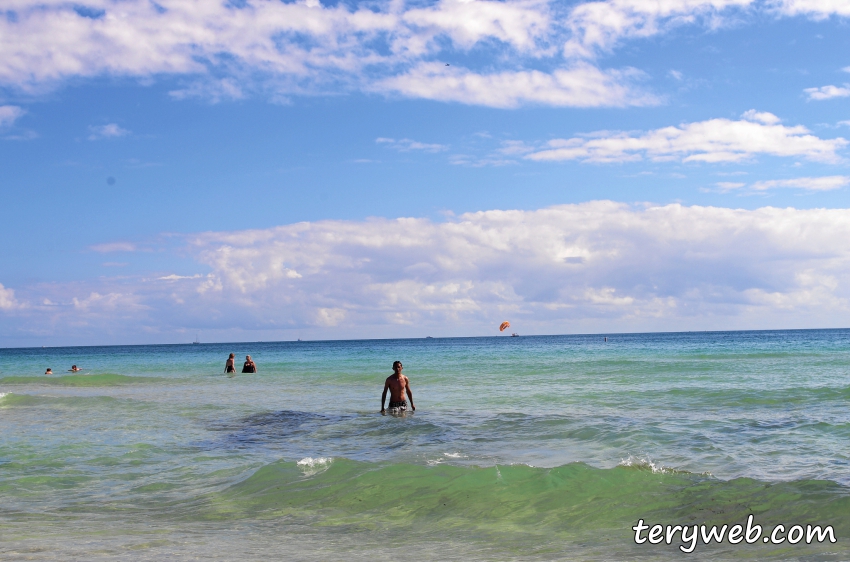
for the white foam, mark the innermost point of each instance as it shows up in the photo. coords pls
(656, 468)
(2, 394)
(646, 462)
(310, 466)
(455, 455)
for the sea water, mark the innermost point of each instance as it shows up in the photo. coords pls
(528, 448)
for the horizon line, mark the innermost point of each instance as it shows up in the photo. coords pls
(598, 334)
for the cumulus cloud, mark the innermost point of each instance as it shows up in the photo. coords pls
(592, 260)
(827, 92)
(9, 114)
(599, 265)
(8, 300)
(714, 140)
(581, 85)
(408, 145)
(108, 131)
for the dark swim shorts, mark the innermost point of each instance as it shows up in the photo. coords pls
(401, 405)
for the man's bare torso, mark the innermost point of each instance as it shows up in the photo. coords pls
(397, 385)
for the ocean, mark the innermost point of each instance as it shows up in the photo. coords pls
(528, 448)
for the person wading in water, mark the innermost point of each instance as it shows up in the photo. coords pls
(249, 366)
(229, 367)
(397, 384)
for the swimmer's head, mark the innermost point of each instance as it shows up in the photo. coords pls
(397, 366)
(232, 355)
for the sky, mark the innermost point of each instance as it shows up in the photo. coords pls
(258, 170)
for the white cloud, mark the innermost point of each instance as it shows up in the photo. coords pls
(593, 266)
(301, 42)
(407, 145)
(120, 303)
(8, 300)
(817, 9)
(602, 25)
(9, 114)
(466, 22)
(593, 260)
(827, 92)
(108, 131)
(229, 51)
(725, 186)
(113, 247)
(581, 85)
(278, 48)
(715, 140)
(175, 277)
(761, 117)
(825, 183)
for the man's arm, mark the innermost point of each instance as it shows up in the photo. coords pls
(410, 394)
(384, 395)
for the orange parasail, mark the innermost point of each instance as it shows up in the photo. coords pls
(504, 325)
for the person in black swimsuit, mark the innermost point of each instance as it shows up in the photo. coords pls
(230, 366)
(249, 366)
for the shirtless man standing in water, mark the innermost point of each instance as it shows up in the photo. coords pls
(397, 384)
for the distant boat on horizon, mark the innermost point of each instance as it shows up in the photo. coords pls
(429, 337)
(514, 335)
(197, 340)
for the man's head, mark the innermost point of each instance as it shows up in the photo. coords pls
(397, 367)
(232, 355)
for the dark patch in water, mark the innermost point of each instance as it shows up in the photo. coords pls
(270, 427)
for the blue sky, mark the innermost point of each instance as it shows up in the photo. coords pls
(272, 170)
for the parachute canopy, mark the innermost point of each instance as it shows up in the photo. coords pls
(504, 325)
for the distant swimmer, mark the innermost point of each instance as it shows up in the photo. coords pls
(249, 366)
(74, 369)
(49, 371)
(230, 366)
(397, 384)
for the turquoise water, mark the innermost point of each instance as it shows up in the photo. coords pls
(521, 448)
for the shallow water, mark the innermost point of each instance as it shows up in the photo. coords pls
(520, 448)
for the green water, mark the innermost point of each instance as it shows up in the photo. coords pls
(520, 448)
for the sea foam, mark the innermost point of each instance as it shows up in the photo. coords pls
(310, 466)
